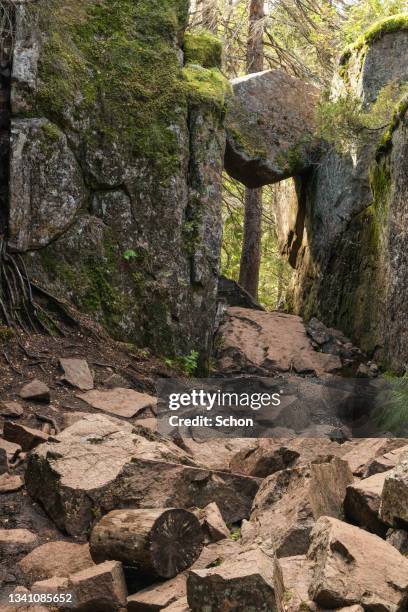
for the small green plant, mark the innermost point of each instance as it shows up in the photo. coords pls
(187, 363)
(216, 563)
(235, 534)
(129, 254)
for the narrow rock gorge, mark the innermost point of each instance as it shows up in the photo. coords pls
(117, 126)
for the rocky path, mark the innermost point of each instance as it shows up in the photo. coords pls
(87, 486)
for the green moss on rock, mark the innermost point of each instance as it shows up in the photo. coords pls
(111, 69)
(375, 32)
(204, 49)
(206, 85)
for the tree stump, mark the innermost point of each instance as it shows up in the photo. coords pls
(158, 542)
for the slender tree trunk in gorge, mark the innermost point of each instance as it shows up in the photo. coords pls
(251, 247)
(251, 251)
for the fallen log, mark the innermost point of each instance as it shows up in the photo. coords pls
(158, 542)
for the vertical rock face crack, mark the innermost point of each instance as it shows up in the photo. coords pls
(6, 49)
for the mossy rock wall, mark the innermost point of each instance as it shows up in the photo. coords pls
(142, 251)
(351, 270)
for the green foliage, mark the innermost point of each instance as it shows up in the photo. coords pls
(275, 272)
(235, 534)
(206, 85)
(368, 20)
(130, 254)
(344, 122)
(203, 48)
(391, 411)
(187, 363)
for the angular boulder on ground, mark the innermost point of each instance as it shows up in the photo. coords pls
(212, 523)
(55, 559)
(394, 498)
(270, 125)
(26, 437)
(100, 587)
(157, 543)
(362, 504)
(11, 409)
(329, 478)
(10, 483)
(77, 373)
(16, 542)
(3, 461)
(264, 459)
(99, 464)
(383, 463)
(12, 449)
(119, 401)
(35, 390)
(282, 517)
(252, 581)
(365, 451)
(264, 342)
(297, 573)
(158, 596)
(353, 567)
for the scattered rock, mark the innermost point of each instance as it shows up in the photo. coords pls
(363, 452)
(16, 541)
(329, 478)
(212, 522)
(270, 128)
(158, 596)
(23, 607)
(297, 573)
(9, 483)
(216, 553)
(3, 461)
(99, 463)
(120, 402)
(36, 391)
(149, 423)
(181, 605)
(394, 499)
(77, 373)
(281, 514)
(24, 436)
(385, 462)
(264, 459)
(399, 539)
(252, 578)
(55, 559)
(101, 587)
(70, 418)
(353, 566)
(158, 543)
(11, 410)
(11, 449)
(362, 504)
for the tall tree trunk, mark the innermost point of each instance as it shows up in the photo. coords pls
(251, 251)
(251, 247)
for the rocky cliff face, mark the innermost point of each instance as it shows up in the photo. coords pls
(343, 224)
(115, 165)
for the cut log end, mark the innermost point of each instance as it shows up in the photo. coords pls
(157, 542)
(176, 541)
